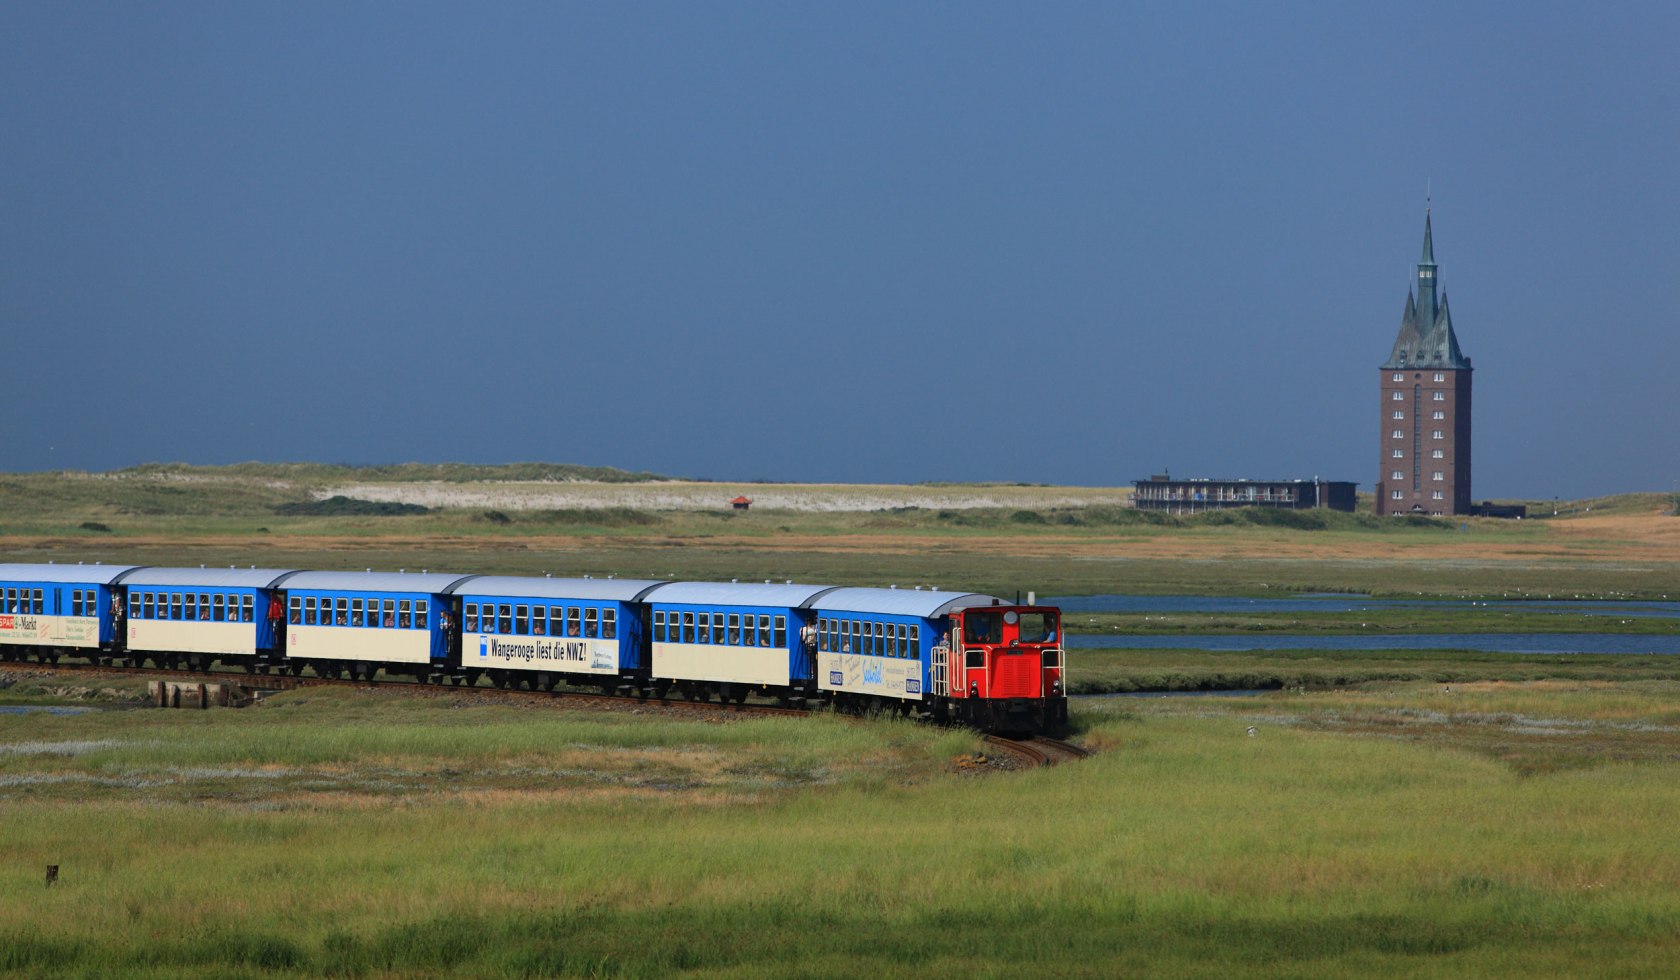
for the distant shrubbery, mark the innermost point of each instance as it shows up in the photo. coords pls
(341, 506)
(401, 472)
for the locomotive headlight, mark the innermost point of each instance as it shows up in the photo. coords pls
(1056, 687)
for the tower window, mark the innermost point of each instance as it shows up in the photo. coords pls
(1398, 377)
(1399, 454)
(1439, 376)
(1399, 396)
(1439, 396)
(1397, 495)
(1398, 434)
(1438, 475)
(1438, 453)
(1438, 495)
(1440, 415)
(1397, 475)
(1437, 434)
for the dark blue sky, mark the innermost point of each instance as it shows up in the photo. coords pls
(1075, 243)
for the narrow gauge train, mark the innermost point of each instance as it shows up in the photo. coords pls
(961, 656)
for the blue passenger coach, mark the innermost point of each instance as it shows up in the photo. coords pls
(55, 609)
(877, 644)
(197, 616)
(732, 638)
(362, 622)
(538, 631)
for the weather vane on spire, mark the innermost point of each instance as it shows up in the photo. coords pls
(1428, 193)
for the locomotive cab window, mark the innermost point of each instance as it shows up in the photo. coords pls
(1038, 628)
(982, 627)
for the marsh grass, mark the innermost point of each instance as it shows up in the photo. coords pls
(1186, 847)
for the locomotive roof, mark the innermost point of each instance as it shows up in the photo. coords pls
(433, 582)
(900, 602)
(593, 589)
(82, 574)
(737, 593)
(240, 578)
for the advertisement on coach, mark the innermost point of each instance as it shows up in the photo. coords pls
(570, 654)
(887, 677)
(34, 628)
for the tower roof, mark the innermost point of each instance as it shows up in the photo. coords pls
(1426, 338)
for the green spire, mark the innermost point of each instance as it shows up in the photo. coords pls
(1428, 242)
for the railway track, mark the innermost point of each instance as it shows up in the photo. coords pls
(1039, 750)
(1036, 750)
(287, 682)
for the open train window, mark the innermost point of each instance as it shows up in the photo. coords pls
(539, 621)
(390, 613)
(688, 627)
(421, 620)
(309, 611)
(734, 628)
(189, 608)
(592, 623)
(522, 620)
(218, 604)
(609, 624)
(574, 622)
(294, 609)
(504, 619)
(357, 615)
(469, 617)
(343, 612)
(703, 634)
(247, 608)
(404, 617)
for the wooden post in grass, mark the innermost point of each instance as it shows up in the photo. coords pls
(52, 875)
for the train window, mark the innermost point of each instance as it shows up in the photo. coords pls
(357, 616)
(688, 627)
(882, 631)
(1037, 627)
(592, 623)
(733, 637)
(976, 659)
(915, 640)
(404, 617)
(421, 620)
(40, 607)
(704, 633)
(219, 605)
(247, 608)
(982, 627)
(76, 602)
(504, 619)
(469, 617)
(539, 621)
(659, 626)
(522, 620)
(343, 612)
(139, 605)
(189, 606)
(857, 636)
(609, 624)
(781, 632)
(294, 609)
(903, 640)
(834, 636)
(574, 622)
(764, 631)
(309, 611)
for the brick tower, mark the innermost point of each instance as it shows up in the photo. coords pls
(1425, 406)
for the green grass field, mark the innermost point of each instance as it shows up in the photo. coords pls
(1499, 829)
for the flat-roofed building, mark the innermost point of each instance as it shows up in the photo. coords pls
(1198, 494)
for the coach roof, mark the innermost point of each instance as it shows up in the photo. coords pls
(736, 594)
(588, 589)
(432, 582)
(79, 574)
(216, 578)
(900, 602)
